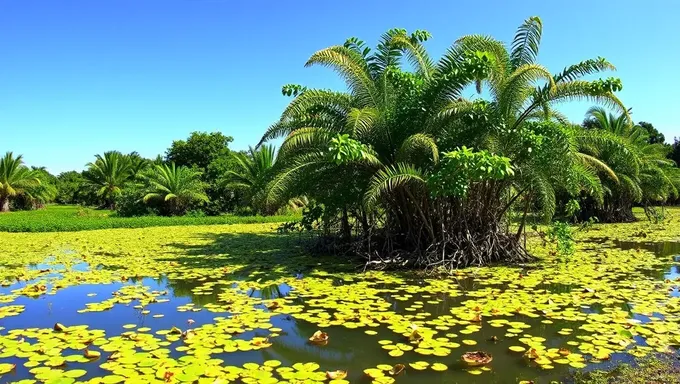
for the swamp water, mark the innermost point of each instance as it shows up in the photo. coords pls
(233, 307)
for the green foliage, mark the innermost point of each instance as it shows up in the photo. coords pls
(210, 154)
(675, 152)
(386, 135)
(560, 233)
(36, 196)
(478, 64)
(138, 165)
(572, 208)
(175, 188)
(292, 89)
(637, 171)
(222, 198)
(16, 180)
(75, 218)
(312, 216)
(588, 224)
(199, 150)
(655, 137)
(71, 189)
(251, 174)
(131, 202)
(658, 369)
(108, 174)
(605, 86)
(344, 149)
(461, 167)
(654, 214)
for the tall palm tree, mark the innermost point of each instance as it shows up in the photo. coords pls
(373, 151)
(108, 174)
(254, 171)
(15, 179)
(176, 187)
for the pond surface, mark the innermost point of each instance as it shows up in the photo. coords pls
(221, 310)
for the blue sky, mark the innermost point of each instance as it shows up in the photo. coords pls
(81, 77)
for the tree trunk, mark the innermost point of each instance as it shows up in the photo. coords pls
(4, 204)
(346, 230)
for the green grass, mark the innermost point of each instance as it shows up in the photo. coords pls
(657, 369)
(65, 218)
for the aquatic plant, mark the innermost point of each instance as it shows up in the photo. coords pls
(595, 306)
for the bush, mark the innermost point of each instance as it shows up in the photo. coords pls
(561, 234)
(196, 213)
(244, 211)
(130, 203)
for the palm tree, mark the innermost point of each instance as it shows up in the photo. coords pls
(138, 164)
(643, 172)
(15, 179)
(374, 152)
(176, 187)
(36, 196)
(108, 174)
(254, 171)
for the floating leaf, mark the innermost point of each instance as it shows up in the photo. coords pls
(477, 358)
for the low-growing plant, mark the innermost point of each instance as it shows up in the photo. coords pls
(572, 208)
(311, 220)
(654, 214)
(588, 224)
(659, 369)
(560, 233)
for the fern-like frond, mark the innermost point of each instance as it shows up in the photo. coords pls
(584, 68)
(582, 91)
(305, 138)
(352, 67)
(599, 165)
(416, 54)
(390, 178)
(526, 42)
(361, 121)
(520, 85)
(418, 144)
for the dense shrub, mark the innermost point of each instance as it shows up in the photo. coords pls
(130, 203)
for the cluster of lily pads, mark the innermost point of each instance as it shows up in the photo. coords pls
(587, 291)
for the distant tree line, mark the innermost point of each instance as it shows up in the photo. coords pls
(200, 175)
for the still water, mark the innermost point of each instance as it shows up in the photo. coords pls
(351, 350)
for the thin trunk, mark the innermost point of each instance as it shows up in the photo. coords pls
(346, 231)
(509, 204)
(4, 204)
(426, 221)
(524, 218)
(364, 222)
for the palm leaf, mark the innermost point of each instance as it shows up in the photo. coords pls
(526, 42)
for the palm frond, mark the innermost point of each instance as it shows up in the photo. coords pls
(418, 144)
(526, 42)
(389, 178)
(353, 69)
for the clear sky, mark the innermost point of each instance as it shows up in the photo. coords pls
(79, 77)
